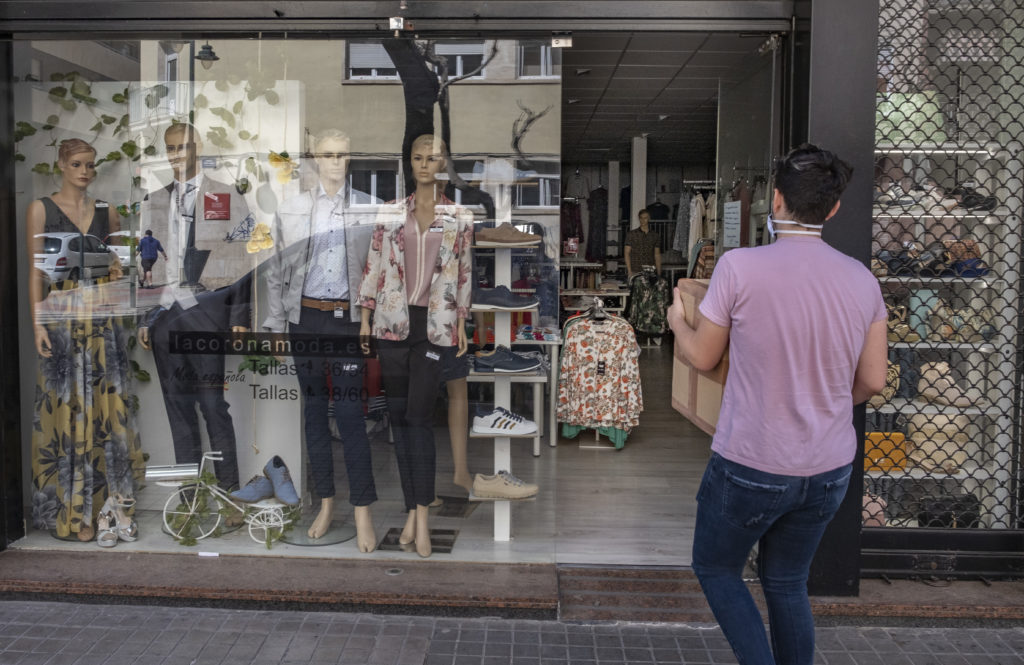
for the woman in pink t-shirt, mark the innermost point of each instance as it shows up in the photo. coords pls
(806, 329)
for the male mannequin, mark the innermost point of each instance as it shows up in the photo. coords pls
(206, 225)
(320, 253)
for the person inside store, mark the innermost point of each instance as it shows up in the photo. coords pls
(806, 331)
(312, 279)
(417, 287)
(642, 247)
(85, 446)
(206, 224)
(150, 250)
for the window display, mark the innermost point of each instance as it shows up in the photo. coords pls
(241, 262)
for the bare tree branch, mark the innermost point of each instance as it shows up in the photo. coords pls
(522, 125)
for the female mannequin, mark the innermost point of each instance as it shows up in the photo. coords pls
(417, 281)
(84, 446)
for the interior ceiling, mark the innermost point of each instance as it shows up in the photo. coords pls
(619, 85)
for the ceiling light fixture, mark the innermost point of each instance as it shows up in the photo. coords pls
(206, 56)
(663, 116)
(572, 101)
(582, 71)
(403, 5)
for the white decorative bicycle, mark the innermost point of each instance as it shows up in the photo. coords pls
(198, 506)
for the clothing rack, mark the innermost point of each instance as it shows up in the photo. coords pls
(698, 182)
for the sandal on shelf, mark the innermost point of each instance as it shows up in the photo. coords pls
(899, 329)
(127, 528)
(106, 534)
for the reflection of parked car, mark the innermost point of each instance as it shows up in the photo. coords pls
(123, 244)
(73, 256)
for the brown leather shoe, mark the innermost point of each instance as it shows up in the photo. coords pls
(505, 235)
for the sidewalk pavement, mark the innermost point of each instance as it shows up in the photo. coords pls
(59, 633)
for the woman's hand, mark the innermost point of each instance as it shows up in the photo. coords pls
(42, 341)
(144, 337)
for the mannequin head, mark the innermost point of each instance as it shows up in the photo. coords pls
(645, 219)
(426, 157)
(77, 162)
(331, 153)
(183, 148)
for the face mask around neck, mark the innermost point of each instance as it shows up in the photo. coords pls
(773, 232)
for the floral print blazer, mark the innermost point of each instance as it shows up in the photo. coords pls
(383, 285)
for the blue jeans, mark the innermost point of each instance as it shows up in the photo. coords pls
(738, 506)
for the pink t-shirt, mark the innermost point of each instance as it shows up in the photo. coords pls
(799, 313)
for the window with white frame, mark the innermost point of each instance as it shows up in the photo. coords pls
(373, 181)
(537, 185)
(539, 60)
(471, 171)
(369, 60)
(462, 57)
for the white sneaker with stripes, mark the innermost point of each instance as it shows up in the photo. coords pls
(502, 422)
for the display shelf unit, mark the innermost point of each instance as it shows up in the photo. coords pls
(537, 380)
(986, 368)
(503, 391)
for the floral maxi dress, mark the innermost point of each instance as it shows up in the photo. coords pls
(84, 442)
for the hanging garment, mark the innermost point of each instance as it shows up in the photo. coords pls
(599, 378)
(682, 234)
(696, 221)
(597, 237)
(710, 216)
(658, 211)
(741, 192)
(572, 223)
(648, 303)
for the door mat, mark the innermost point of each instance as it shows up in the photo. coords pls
(455, 506)
(441, 541)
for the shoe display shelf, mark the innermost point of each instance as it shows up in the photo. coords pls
(537, 380)
(983, 368)
(503, 331)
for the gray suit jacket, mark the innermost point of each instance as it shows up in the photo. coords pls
(285, 271)
(224, 238)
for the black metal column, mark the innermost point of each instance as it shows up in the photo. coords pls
(838, 46)
(11, 509)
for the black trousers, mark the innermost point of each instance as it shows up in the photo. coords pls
(411, 373)
(188, 380)
(338, 380)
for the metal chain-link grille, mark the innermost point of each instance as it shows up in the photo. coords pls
(943, 439)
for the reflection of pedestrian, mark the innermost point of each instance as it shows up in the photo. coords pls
(806, 328)
(149, 249)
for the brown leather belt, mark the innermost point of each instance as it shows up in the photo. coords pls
(324, 305)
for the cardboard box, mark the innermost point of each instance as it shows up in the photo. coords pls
(697, 394)
(884, 451)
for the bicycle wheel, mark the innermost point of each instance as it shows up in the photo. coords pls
(266, 525)
(191, 512)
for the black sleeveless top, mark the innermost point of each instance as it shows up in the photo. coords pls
(57, 222)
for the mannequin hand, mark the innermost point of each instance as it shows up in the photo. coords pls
(463, 342)
(43, 341)
(144, 338)
(676, 312)
(364, 338)
(239, 329)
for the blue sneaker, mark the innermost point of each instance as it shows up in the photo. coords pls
(278, 474)
(502, 360)
(501, 298)
(257, 489)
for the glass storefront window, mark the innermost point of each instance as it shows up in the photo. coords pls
(242, 246)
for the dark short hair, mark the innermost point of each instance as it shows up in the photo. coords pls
(643, 211)
(811, 180)
(149, 232)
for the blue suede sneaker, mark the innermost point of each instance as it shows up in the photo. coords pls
(257, 489)
(503, 360)
(503, 299)
(278, 474)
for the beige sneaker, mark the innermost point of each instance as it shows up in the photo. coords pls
(505, 235)
(502, 485)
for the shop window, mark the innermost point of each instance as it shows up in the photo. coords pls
(538, 60)
(537, 185)
(471, 171)
(462, 58)
(373, 181)
(370, 61)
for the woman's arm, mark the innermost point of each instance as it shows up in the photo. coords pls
(869, 378)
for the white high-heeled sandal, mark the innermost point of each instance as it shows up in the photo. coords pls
(127, 528)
